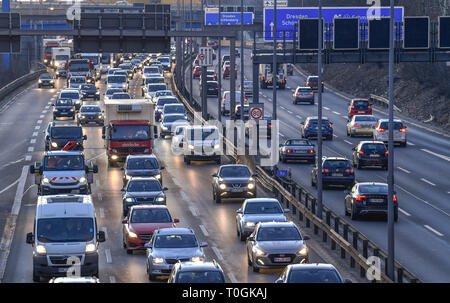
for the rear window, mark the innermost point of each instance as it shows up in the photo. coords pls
(313, 79)
(374, 189)
(336, 164)
(304, 89)
(365, 118)
(315, 121)
(298, 142)
(397, 125)
(361, 104)
(154, 88)
(373, 147)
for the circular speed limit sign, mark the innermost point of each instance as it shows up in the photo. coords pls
(256, 113)
(201, 57)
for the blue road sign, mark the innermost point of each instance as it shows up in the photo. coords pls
(287, 17)
(282, 173)
(228, 18)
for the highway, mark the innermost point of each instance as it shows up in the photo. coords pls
(189, 197)
(422, 235)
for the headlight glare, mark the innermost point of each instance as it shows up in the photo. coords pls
(158, 260)
(90, 248)
(40, 249)
(303, 251)
(260, 252)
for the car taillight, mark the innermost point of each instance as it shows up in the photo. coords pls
(308, 125)
(217, 88)
(270, 125)
(403, 130)
(375, 125)
(311, 151)
(298, 93)
(349, 171)
(311, 93)
(356, 125)
(386, 153)
(353, 106)
(361, 152)
(289, 151)
(325, 170)
(330, 125)
(395, 199)
(360, 198)
(380, 130)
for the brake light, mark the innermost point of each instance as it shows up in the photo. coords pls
(353, 106)
(311, 151)
(349, 171)
(380, 130)
(311, 93)
(395, 199)
(403, 130)
(330, 125)
(270, 125)
(356, 125)
(298, 93)
(361, 152)
(289, 151)
(325, 170)
(375, 125)
(308, 125)
(360, 198)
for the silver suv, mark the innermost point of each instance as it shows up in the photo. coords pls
(170, 245)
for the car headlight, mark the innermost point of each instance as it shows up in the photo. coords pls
(90, 248)
(260, 252)
(124, 85)
(77, 102)
(249, 224)
(52, 81)
(40, 250)
(83, 117)
(40, 81)
(251, 186)
(100, 117)
(190, 146)
(114, 157)
(54, 144)
(158, 176)
(132, 234)
(222, 186)
(160, 199)
(45, 60)
(197, 259)
(217, 146)
(164, 127)
(45, 180)
(71, 109)
(97, 93)
(109, 85)
(82, 180)
(303, 251)
(128, 177)
(129, 200)
(158, 260)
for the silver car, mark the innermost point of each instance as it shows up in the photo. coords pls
(248, 88)
(381, 132)
(170, 245)
(170, 122)
(276, 245)
(258, 210)
(361, 125)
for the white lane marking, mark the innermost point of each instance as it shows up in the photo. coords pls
(53, 99)
(348, 142)
(193, 211)
(41, 116)
(108, 256)
(100, 197)
(9, 186)
(336, 113)
(31, 149)
(217, 252)
(335, 136)
(176, 182)
(437, 155)
(327, 108)
(204, 231)
(433, 230)
(403, 170)
(426, 181)
(32, 141)
(28, 158)
(97, 183)
(44, 111)
(102, 212)
(344, 116)
(282, 107)
(8, 233)
(184, 196)
(112, 279)
(35, 134)
(232, 277)
(298, 116)
(404, 212)
(410, 143)
(37, 127)
(290, 112)
(47, 107)
(39, 121)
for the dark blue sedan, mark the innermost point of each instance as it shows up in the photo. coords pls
(309, 128)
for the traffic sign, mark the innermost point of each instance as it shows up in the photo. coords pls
(346, 33)
(228, 18)
(444, 32)
(205, 56)
(287, 17)
(417, 33)
(256, 113)
(280, 3)
(379, 33)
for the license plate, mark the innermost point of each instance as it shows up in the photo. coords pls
(374, 156)
(377, 200)
(236, 190)
(64, 269)
(287, 259)
(299, 151)
(337, 175)
(360, 111)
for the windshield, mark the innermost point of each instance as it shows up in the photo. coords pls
(163, 93)
(173, 118)
(77, 80)
(46, 76)
(154, 88)
(130, 132)
(175, 241)
(142, 163)
(379, 148)
(165, 60)
(298, 142)
(151, 70)
(94, 59)
(150, 216)
(314, 276)
(361, 104)
(203, 134)
(112, 71)
(171, 109)
(397, 125)
(263, 208)
(235, 171)
(336, 164)
(64, 102)
(116, 96)
(64, 162)
(111, 91)
(282, 233)
(143, 185)
(61, 57)
(365, 118)
(154, 80)
(88, 109)
(106, 59)
(373, 189)
(200, 277)
(79, 66)
(66, 132)
(117, 79)
(164, 101)
(65, 230)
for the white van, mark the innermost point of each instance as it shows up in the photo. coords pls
(65, 237)
(226, 100)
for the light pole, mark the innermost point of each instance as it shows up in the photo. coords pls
(319, 116)
(219, 71)
(242, 60)
(274, 67)
(190, 54)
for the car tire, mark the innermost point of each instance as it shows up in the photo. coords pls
(353, 214)
(241, 236)
(151, 277)
(36, 278)
(347, 213)
(217, 199)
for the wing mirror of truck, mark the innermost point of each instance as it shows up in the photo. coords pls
(214, 175)
(148, 245)
(165, 189)
(30, 238)
(306, 238)
(162, 167)
(101, 236)
(348, 281)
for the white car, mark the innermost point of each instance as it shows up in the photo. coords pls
(178, 136)
(226, 100)
(117, 81)
(73, 94)
(151, 89)
(381, 132)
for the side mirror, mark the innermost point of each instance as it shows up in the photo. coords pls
(32, 170)
(122, 168)
(103, 137)
(162, 167)
(286, 210)
(53, 104)
(251, 239)
(306, 238)
(123, 189)
(176, 220)
(203, 244)
(148, 245)
(214, 175)
(30, 238)
(85, 137)
(95, 169)
(239, 211)
(101, 236)
(124, 221)
(348, 281)
(180, 145)
(165, 188)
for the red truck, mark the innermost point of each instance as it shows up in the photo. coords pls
(48, 45)
(129, 128)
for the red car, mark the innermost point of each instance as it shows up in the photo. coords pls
(359, 107)
(141, 222)
(197, 72)
(226, 72)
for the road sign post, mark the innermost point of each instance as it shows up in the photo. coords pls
(205, 56)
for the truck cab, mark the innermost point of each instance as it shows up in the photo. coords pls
(59, 57)
(266, 75)
(63, 172)
(65, 237)
(129, 128)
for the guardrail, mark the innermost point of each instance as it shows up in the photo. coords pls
(334, 229)
(8, 88)
(382, 102)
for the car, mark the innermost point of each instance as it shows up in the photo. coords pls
(110, 91)
(248, 88)
(128, 68)
(381, 132)
(359, 106)
(361, 125)
(370, 153)
(136, 63)
(160, 102)
(290, 69)
(309, 128)
(311, 273)
(74, 280)
(264, 123)
(120, 96)
(73, 94)
(89, 91)
(367, 198)
(177, 137)
(196, 62)
(46, 80)
(170, 245)
(140, 224)
(160, 93)
(91, 114)
(170, 121)
(213, 44)
(201, 143)
(226, 101)
(177, 108)
(142, 190)
(117, 81)
(150, 70)
(237, 111)
(61, 73)
(233, 181)
(63, 108)
(225, 58)
(297, 149)
(212, 89)
(208, 78)
(303, 94)
(276, 245)
(237, 52)
(313, 82)
(196, 272)
(335, 171)
(141, 166)
(165, 62)
(257, 210)
(196, 72)
(61, 134)
(112, 71)
(227, 72)
(153, 88)
(75, 82)
(122, 73)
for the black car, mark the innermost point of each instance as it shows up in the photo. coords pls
(91, 114)
(311, 273)
(141, 166)
(212, 89)
(64, 108)
(233, 181)
(59, 135)
(370, 153)
(368, 198)
(259, 124)
(61, 73)
(335, 171)
(46, 80)
(89, 91)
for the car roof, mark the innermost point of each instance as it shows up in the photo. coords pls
(141, 156)
(175, 231)
(311, 266)
(387, 120)
(360, 99)
(232, 165)
(316, 118)
(334, 158)
(371, 183)
(58, 210)
(75, 280)
(143, 179)
(199, 266)
(276, 224)
(257, 200)
(70, 90)
(371, 142)
(64, 153)
(149, 206)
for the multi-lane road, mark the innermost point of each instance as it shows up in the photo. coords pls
(422, 183)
